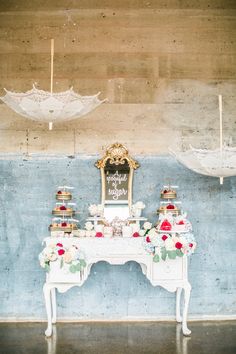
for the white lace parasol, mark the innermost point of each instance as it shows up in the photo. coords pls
(45, 106)
(220, 162)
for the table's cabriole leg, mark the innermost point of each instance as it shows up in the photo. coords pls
(47, 297)
(178, 298)
(54, 305)
(187, 291)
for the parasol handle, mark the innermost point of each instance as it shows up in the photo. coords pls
(52, 55)
(221, 124)
(221, 133)
(51, 86)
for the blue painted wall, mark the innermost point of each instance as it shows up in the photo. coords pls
(27, 197)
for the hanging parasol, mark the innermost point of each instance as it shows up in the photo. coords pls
(220, 162)
(45, 106)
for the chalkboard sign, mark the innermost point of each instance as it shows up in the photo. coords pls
(116, 182)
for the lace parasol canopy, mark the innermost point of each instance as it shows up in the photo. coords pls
(220, 162)
(214, 163)
(45, 106)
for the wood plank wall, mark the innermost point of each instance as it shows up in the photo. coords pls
(161, 64)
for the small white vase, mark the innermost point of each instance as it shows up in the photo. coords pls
(138, 212)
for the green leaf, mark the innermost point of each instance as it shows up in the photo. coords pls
(73, 268)
(156, 258)
(62, 263)
(179, 253)
(163, 253)
(47, 267)
(171, 254)
(82, 263)
(146, 232)
(78, 267)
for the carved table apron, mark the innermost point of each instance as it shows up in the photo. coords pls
(170, 274)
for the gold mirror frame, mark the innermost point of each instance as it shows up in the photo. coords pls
(117, 154)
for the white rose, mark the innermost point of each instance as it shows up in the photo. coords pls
(100, 209)
(140, 205)
(52, 257)
(74, 252)
(48, 250)
(88, 225)
(170, 245)
(152, 233)
(182, 240)
(142, 232)
(147, 225)
(93, 209)
(67, 256)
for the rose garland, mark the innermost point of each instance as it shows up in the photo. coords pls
(69, 255)
(165, 245)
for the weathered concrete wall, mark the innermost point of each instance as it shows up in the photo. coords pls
(160, 63)
(26, 200)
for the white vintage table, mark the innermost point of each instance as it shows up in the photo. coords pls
(171, 274)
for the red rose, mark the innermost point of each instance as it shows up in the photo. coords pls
(63, 224)
(191, 245)
(59, 192)
(165, 191)
(136, 234)
(178, 245)
(170, 206)
(164, 237)
(181, 222)
(59, 244)
(61, 252)
(99, 234)
(62, 207)
(148, 239)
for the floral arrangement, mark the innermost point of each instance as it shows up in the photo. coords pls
(96, 210)
(66, 255)
(163, 245)
(136, 209)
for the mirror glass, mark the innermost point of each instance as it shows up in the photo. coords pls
(116, 202)
(117, 174)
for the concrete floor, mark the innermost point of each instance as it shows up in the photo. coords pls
(119, 338)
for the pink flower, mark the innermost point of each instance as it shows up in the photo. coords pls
(59, 244)
(148, 239)
(99, 234)
(164, 237)
(61, 252)
(178, 245)
(136, 234)
(191, 245)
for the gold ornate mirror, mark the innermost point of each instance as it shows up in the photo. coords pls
(117, 169)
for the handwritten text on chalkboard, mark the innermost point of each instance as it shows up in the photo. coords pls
(117, 186)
